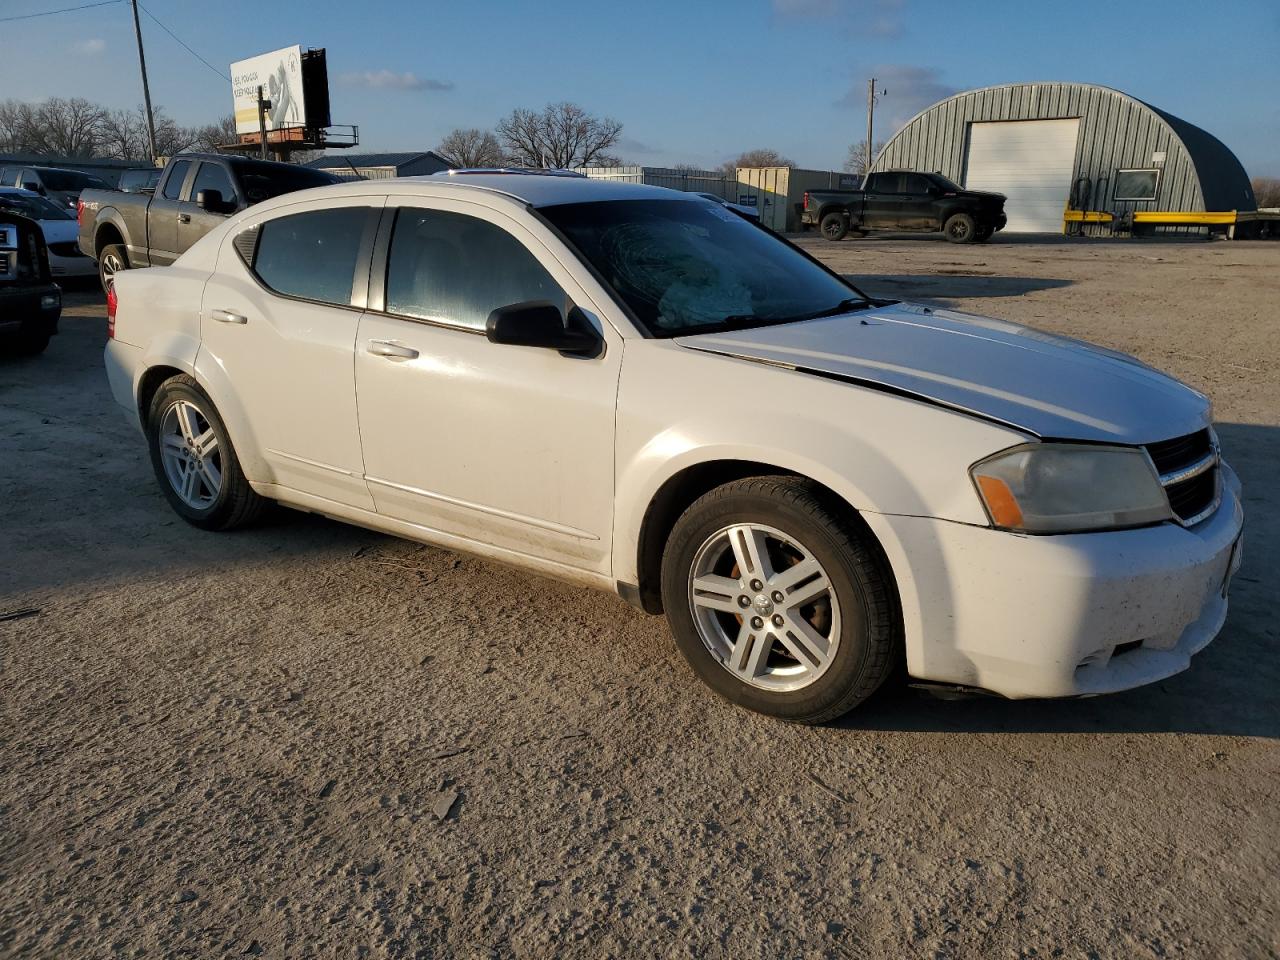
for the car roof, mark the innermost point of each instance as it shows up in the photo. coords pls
(546, 191)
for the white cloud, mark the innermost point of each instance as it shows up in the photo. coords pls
(91, 47)
(908, 90)
(390, 80)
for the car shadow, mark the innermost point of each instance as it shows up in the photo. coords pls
(1229, 688)
(942, 285)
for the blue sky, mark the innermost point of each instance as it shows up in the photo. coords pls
(693, 81)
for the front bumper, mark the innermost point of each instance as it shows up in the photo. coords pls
(30, 309)
(1062, 616)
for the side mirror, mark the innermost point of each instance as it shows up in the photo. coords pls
(539, 323)
(210, 201)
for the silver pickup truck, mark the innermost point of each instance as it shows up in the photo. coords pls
(195, 193)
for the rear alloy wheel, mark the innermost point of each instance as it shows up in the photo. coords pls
(111, 261)
(960, 228)
(194, 461)
(834, 226)
(778, 602)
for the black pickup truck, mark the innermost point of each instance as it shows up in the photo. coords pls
(904, 200)
(195, 193)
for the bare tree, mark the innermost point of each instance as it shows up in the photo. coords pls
(68, 128)
(213, 135)
(856, 161)
(1266, 191)
(562, 136)
(472, 148)
(760, 157)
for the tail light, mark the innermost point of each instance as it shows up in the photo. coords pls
(79, 211)
(806, 200)
(111, 312)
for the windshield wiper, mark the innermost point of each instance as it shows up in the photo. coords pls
(850, 305)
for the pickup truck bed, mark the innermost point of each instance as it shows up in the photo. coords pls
(195, 193)
(904, 200)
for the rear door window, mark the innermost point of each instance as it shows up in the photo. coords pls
(312, 255)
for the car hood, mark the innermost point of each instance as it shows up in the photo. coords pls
(1040, 383)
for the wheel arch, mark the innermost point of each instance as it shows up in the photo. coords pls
(106, 233)
(679, 491)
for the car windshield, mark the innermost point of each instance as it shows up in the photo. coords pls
(264, 181)
(686, 266)
(37, 208)
(68, 180)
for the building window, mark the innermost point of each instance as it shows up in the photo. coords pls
(1136, 184)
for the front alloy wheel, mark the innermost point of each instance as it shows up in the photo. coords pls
(764, 608)
(780, 600)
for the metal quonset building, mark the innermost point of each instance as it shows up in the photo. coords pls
(1053, 146)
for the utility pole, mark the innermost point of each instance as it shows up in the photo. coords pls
(146, 90)
(871, 122)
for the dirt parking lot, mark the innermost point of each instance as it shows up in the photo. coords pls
(242, 744)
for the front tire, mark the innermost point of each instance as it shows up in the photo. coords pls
(960, 228)
(834, 226)
(778, 601)
(111, 260)
(194, 461)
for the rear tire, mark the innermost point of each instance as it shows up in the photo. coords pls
(960, 228)
(822, 586)
(111, 260)
(834, 226)
(194, 461)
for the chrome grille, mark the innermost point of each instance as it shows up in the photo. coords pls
(1188, 469)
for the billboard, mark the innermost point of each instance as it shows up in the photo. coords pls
(279, 73)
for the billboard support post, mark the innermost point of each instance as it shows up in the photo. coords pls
(263, 106)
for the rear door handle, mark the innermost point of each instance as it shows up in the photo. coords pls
(228, 316)
(391, 350)
(184, 218)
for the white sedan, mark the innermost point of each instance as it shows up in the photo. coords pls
(634, 389)
(61, 232)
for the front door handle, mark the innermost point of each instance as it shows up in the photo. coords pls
(392, 350)
(184, 218)
(228, 316)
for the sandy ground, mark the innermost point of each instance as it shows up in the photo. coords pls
(250, 744)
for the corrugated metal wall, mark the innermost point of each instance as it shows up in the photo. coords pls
(697, 181)
(1116, 132)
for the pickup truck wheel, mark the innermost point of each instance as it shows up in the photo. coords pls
(111, 261)
(777, 602)
(960, 228)
(194, 460)
(834, 226)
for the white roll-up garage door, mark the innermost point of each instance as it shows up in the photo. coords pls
(1030, 162)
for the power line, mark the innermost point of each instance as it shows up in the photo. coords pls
(180, 41)
(50, 13)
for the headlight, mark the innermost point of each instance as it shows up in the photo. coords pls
(1064, 487)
